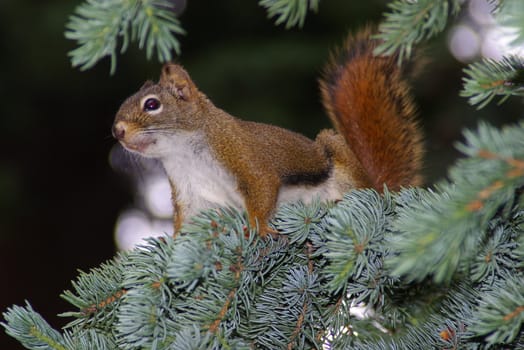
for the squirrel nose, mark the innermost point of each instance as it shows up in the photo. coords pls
(119, 130)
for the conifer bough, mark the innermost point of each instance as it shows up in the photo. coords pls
(102, 28)
(441, 268)
(435, 269)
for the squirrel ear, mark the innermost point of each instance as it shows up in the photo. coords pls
(147, 84)
(177, 80)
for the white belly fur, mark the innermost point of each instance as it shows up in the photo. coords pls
(326, 190)
(203, 183)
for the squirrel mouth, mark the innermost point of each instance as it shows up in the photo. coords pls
(138, 144)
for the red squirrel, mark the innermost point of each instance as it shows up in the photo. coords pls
(213, 159)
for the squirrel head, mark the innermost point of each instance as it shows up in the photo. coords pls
(157, 111)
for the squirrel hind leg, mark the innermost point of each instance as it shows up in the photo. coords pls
(347, 170)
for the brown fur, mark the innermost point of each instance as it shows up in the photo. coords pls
(370, 105)
(262, 157)
(377, 142)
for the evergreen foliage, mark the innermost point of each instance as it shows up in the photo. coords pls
(511, 14)
(290, 12)
(490, 78)
(99, 25)
(432, 268)
(411, 22)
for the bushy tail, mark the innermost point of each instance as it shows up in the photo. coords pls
(370, 104)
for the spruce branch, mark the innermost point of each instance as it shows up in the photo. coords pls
(445, 230)
(442, 328)
(88, 339)
(30, 329)
(103, 28)
(290, 12)
(498, 254)
(519, 251)
(500, 315)
(354, 243)
(410, 22)
(308, 219)
(99, 25)
(97, 294)
(33, 332)
(145, 318)
(490, 78)
(510, 14)
(218, 285)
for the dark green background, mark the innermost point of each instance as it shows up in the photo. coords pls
(59, 197)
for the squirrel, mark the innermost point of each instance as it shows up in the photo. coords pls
(213, 159)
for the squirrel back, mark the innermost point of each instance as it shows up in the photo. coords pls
(370, 105)
(213, 159)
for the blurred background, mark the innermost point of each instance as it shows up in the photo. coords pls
(68, 195)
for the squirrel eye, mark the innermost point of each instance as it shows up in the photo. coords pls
(151, 104)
